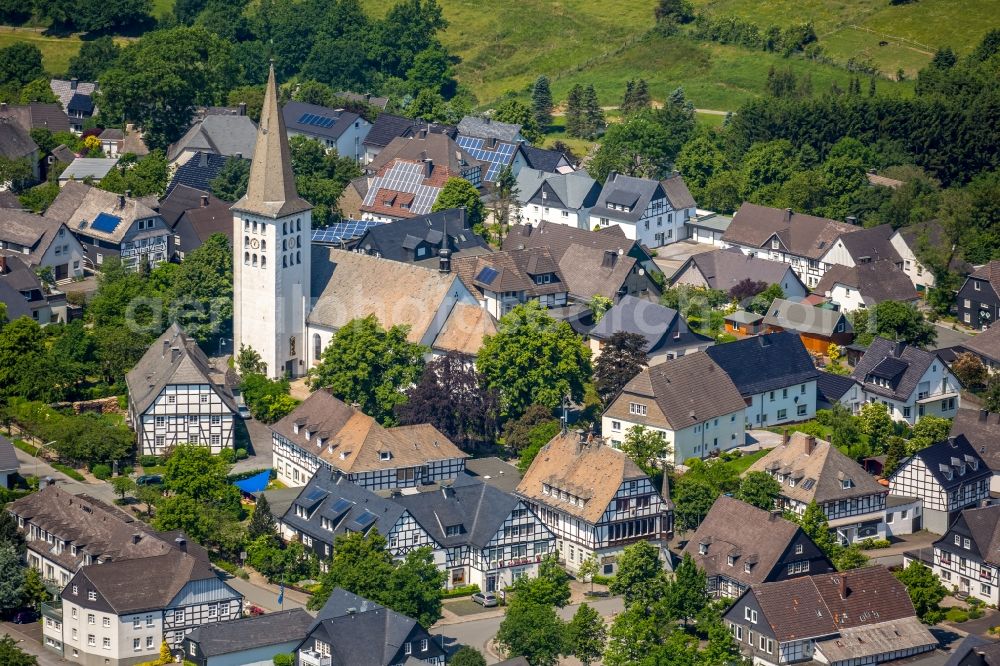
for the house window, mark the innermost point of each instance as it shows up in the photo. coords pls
(216, 440)
(106, 622)
(966, 544)
(775, 244)
(798, 549)
(171, 399)
(616, 425)
(975, 285)
(846, 484)
(407, 648)
(702, 548)
(750, 614)
(91, 640)
(782, 414)
(91, 595)
(149, 642)
(746, 567)
(636, 408)
(106, 643)
(161, 421)
(772, 396)
(800, 410)
(423, 645)
(216, 419)
(91, 618)
(137, 623)
(136, 644)
(731, 560)
(985, 589)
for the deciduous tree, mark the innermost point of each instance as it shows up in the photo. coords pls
(687, 593)
(647, 449)
(970, 370)
(925, 590)
(622, 358)
(532, 630)
(692, 500)
(877, 424)
(759, 489)
(586, 635)
(640, 577)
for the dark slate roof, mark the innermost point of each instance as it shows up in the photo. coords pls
(802, 317)
(8, 456)
(477, 507)
(982, 525)
(250, 633)
(339, 120)
(677, 192)
(973, 644)
(543, 159)
(558, 238)
(986, 343)
(388, 127)
(903, 365)
(765, 363)
(179, 199)
(375, 638)
(831, 387)
(634, 193)
(495, 472)
(949, 458)
(646, 318)
(82, 103)
(982, 430)
(398, 240)
(487, 128)
(320, 498)
(341, 603)
(198, 171)
(15, 142)
(871, 244)
(801, 235)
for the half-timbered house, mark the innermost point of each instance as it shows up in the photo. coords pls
(177, 396)
(325, 432)
(968, 556)
(120, 612)
(850, 618)
(812, 470)
(595, 500)
(739, 545)
(947, 477)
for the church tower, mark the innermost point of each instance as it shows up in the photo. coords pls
(271, 238)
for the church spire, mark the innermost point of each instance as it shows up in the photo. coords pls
(271, 189)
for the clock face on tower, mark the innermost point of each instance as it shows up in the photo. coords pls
(254, 243)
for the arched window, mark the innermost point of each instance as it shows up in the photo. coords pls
(263, 261)
(246, 257)
(284, 244)
(317, 346)
(284, 261)
(246, 225)
(284, 227)
(299, 241)
(263, 246)
(246, 241)
(255, 227)
(298, 224)
(298, 257)
(254, 261)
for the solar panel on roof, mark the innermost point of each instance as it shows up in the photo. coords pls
(303, 117)
(365, 519)
(315, 495)
(105, 222)
(487, 275)
(341, 506)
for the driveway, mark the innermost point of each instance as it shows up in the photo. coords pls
(260, 451)
(671, 257)
(29, 639)
(949, 337)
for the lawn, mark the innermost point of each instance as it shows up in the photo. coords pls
(56, 51)
(743, 463)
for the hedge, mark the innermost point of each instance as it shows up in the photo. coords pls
(461, 591)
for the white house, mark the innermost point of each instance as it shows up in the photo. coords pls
(966, 557)
(948, 476)
(42, 242)
(559, 198)
(866, 285)
(649, 211)
(775, 375)
(595, 500)
(909, 381)
(176, 396)
(336, 129)
(503, 280)
(689, 400)
(907, 242)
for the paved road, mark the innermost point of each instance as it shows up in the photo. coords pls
(34, 467)
(265, 596)
(478, 633)
(28, 637)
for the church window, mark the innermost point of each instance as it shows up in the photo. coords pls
(263, 246)
(291, 346)
(246, 241)
(254, 260)
(284, 244)
(298, 224)
(284, 227)
(263, 261)
(317, 346)
(246, 225)
(246, 257)
(298, 257)
(284, 261)
(255, 227)
(298, 241)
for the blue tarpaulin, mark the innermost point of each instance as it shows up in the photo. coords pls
(255, 483)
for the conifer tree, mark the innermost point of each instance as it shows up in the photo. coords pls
(574, 111)
(262, 521)
(593, 115)
(541, 102)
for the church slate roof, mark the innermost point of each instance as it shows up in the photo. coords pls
(249, 633)
(765, 362)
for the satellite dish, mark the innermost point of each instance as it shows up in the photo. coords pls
(620, 252)
(642, 272)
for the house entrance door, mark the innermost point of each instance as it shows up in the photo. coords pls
(491, 583)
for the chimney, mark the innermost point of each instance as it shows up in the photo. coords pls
(842, 582)
(243, 108)
(444, 260)
(175, 353)
(166, 346)
(136, 538)
(788, 215)
(983, 415)
(898, 348)
(238, 156)
(852, 220)
(121, 200)
(952, 442)
(204, 201)
(128, 194)
(488, 120)
(612, 175)
(73, 83)
(182, 544)
(428, 167)
(784, 437)
(810, 444)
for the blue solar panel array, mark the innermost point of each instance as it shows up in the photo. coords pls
(316, 121)
(342, 232)
(497, 158)
(487, 275)
(105, 222)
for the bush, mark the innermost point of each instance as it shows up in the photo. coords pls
(874, 544)
(603, 580)
(69, 471)
(27, 448)
(149, 461)
(956, 615)
(102, 472)
(284, 660)
(975, 613)
(228, 456)
(461, 591)
(241, 454)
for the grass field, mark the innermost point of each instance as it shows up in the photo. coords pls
(56, 51)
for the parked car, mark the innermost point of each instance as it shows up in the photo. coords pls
(149, 480)
(487, 599)
(254, 611)
(24, 616)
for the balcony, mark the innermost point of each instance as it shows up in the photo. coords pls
(313, 658)
(925, 397)
(52, 612)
